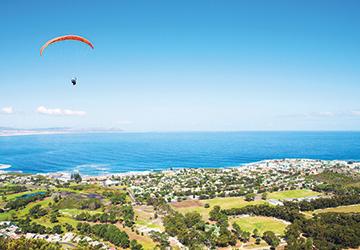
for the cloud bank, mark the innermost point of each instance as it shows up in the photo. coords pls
(59, 112)
(325, 114)
(7, 110)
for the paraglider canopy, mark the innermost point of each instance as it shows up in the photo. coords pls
(64, 38)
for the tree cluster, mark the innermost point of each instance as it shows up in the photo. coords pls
(162, 239)
(37, 211)
(23, 243)
(26, 226)
(12, 189)
(325, 202)
(281, 212)
(193, 232)
(23, 201)
(98, 217)
(116, 197)
(91, 203)
(128, 215)
(333, 230)
(106, 232)
(240, 234)
(271, 239)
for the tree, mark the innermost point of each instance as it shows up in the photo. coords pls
(270, 238)
(134, 245)
(110, 233)
(210, 238)
(118, 198)
(214, 213)
(161, 238)
(194, 219)
(293, 239)
(237, 230)
(255, 233)
(191, 237)
(264, 196)
(57, 229)
(250, 197)
(245, 236)
(69, 227)
(53, 218)
(225, 237)
(309, 244)
(103, 217)
(76, 177)
(174, 223)
(37, 212)
(128, 215)
(56, 198)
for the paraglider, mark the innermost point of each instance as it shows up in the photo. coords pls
(65, 38)
(73, 81)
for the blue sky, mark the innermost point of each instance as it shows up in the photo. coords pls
(182, 65)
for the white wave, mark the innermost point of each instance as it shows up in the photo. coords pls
(96, 166)
(4, 166)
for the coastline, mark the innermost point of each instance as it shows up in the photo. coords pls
(267, 163)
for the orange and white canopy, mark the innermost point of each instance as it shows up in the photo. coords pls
(64, 38)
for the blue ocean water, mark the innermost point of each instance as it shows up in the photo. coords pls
(95, 154)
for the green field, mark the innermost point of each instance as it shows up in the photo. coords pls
(145, 217)
(73, 211)
(44, 203)
(45, 221)
(224, 203)
(249, 223)
(22, 212)
(13, 196)
(292, 194)
(6, 216)
(342, 209)
(231, 202)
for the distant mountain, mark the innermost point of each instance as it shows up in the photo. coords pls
(35, 129)
(8, 131)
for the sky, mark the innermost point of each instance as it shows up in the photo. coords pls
(181, 65)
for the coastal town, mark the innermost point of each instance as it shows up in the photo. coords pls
(180, 125)
(271, 204)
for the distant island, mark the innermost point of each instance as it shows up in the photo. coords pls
(50, 131)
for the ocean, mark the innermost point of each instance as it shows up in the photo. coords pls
(104, 153)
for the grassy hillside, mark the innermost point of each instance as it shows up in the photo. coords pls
(261, 223)
(292, 194)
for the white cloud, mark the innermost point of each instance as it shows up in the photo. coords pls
(57, 111)
(7, 110)
(355, 112)
(325, 114)
(74, 112)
